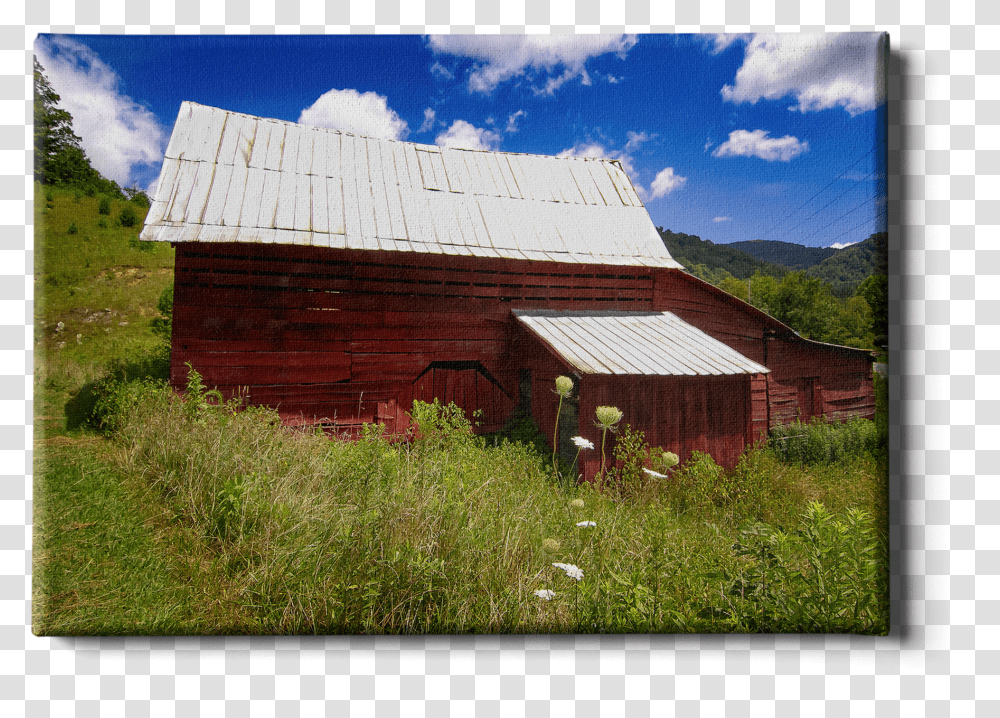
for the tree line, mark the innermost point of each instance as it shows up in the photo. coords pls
(60, 159)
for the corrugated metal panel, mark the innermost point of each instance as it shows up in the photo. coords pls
(634, 343)
(255, 179)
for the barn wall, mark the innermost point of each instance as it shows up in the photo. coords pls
(679, 414)
(344, 335)
(807, 379)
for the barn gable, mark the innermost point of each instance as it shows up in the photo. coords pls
(229, 177)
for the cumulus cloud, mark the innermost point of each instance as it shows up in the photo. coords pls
(502, 57)
(742, 143)
(123, 139)
(442, 72)
(819, 71)
(841, 245)
(635, 139)
(595, 150)
(512, 120)
(721, 219)
(666, 181)
(428, 123)
(463, 135)
(365, 114)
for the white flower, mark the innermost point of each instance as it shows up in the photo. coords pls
(587, 524)
(576, 503)
(655, 474)
(545, 594)
(583, 443)
(571, 570)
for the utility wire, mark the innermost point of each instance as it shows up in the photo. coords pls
(792, 214)
(829, 203)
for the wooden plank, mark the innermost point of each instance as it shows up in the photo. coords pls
(290, 149)
(425, 166)
(508, 176)
(392, 190)
(328, 358)
(233, 139)
(243, 376)
(350, 170)
(366, 202)
(302, 219)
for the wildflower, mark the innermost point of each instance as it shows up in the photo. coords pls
(655, 474)
(583, 443)
(545, 594)
(576, 503)
(587, 524)
(670, 459)
(564, 385)
(608, 417)
(550, 545)
(571, 570)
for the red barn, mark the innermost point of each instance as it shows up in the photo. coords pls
(338, 278)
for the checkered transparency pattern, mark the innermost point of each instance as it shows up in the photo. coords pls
(944, 205)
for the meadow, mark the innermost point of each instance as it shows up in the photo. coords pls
(164, 514)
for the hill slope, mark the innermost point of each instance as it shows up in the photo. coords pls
(785, 254)
(691, 251)
(849, 267)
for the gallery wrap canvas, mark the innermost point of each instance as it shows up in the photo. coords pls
(460, 334)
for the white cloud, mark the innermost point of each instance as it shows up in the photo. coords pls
(613, 80)
(512, 120)
(723, 41)
(666, 182)
(594, 150)
(742, 143)
(428, 123)
(841, 245)
(635, 139)
(463, 135)
(819, 71)
(119, 135)
(365, 114)
(439, 70)
(722, 219)
(708, 143)
(502, 57)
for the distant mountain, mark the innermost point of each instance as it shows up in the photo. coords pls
(785, 254)
(713, 262)
(850, 266)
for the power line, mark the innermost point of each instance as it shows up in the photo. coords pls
(870, 199)
(787, 217)
(830, 202)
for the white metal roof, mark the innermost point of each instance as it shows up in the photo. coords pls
(643, 343)
(230, 177)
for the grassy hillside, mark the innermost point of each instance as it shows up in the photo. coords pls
(96, 291)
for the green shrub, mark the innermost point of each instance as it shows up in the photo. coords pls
(823, 442)
(162, 326)
(128, 217)
(104, 205)
(102, 223)
(49, 197)
(72, 229)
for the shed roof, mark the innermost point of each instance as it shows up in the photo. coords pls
(230, 177)
(635, 343)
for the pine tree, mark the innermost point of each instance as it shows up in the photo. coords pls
(59, 158)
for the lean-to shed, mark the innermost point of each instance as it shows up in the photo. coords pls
(338, 278)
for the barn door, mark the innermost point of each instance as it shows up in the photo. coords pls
(468, 385)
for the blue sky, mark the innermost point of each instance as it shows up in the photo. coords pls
(727, 137)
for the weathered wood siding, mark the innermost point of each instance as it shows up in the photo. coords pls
(807, 379)
(354, 336)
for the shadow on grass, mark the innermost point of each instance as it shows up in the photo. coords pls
(151, 364)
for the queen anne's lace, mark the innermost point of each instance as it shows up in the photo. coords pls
(571, 570)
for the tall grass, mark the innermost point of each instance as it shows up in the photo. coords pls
(446, 534)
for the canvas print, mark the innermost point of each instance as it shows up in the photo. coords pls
(460, 334)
